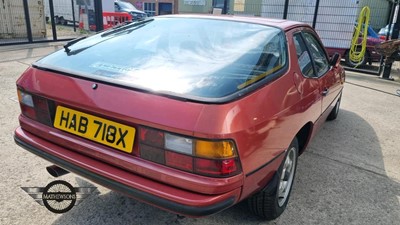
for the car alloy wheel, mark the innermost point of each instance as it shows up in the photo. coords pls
(271, 201)
(287, 176)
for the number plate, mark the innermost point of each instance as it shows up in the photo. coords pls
(100, 130)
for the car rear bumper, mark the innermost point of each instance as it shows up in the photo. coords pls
(163, 196)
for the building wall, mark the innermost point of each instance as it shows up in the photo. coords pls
(195, 6)
(246, 7)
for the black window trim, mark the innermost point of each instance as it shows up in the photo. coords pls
(189, 98)
(301, 33)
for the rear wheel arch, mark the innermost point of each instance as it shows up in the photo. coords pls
(303, 136)
(270, 202)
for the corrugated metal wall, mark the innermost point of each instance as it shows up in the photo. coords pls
(380, 12)
(273, 9)
(37, 19)
(12, 21)
(335, 22)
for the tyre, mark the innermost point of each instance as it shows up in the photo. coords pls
(354, 64)
(335, 111)
(270, 202)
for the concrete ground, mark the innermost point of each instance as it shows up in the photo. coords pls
(350, 173)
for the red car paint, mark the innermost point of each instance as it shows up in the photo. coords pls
(262, 124)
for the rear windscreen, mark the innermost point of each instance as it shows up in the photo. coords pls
(196, 58)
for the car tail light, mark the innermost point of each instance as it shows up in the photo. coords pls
(215, 149)
(152, 137)
(216, 158)
(34, 107)
(25, 98)
(179, 161)
(215, 167)
(179, 144)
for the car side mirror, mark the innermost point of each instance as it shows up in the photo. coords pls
(335, 60)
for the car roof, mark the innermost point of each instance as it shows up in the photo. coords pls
(281, 23)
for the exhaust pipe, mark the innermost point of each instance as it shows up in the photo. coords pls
(56, 171)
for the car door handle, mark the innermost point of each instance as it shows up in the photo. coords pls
(325, 92)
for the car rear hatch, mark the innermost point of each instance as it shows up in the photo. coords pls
(110, 124)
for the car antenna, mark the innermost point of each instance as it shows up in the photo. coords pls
(66, 46)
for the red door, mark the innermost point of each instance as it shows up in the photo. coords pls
(329, 78)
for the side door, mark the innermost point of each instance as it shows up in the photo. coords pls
(304, 76)
(329, 79)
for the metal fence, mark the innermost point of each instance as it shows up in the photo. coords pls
(32, 21)
(334, 21)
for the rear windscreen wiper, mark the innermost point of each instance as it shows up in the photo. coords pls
(66, 46)
(126, 27)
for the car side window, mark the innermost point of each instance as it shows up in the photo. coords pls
(303, 56)
(318, 55)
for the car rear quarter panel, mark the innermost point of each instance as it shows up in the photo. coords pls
(264, 123)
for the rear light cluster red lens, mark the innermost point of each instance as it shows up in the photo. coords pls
(216, 158)
(34, 107)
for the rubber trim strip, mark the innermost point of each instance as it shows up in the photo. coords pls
(266, 164)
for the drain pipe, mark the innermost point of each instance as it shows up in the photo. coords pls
(56, 171)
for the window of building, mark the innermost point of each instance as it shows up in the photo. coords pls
(149, 8)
